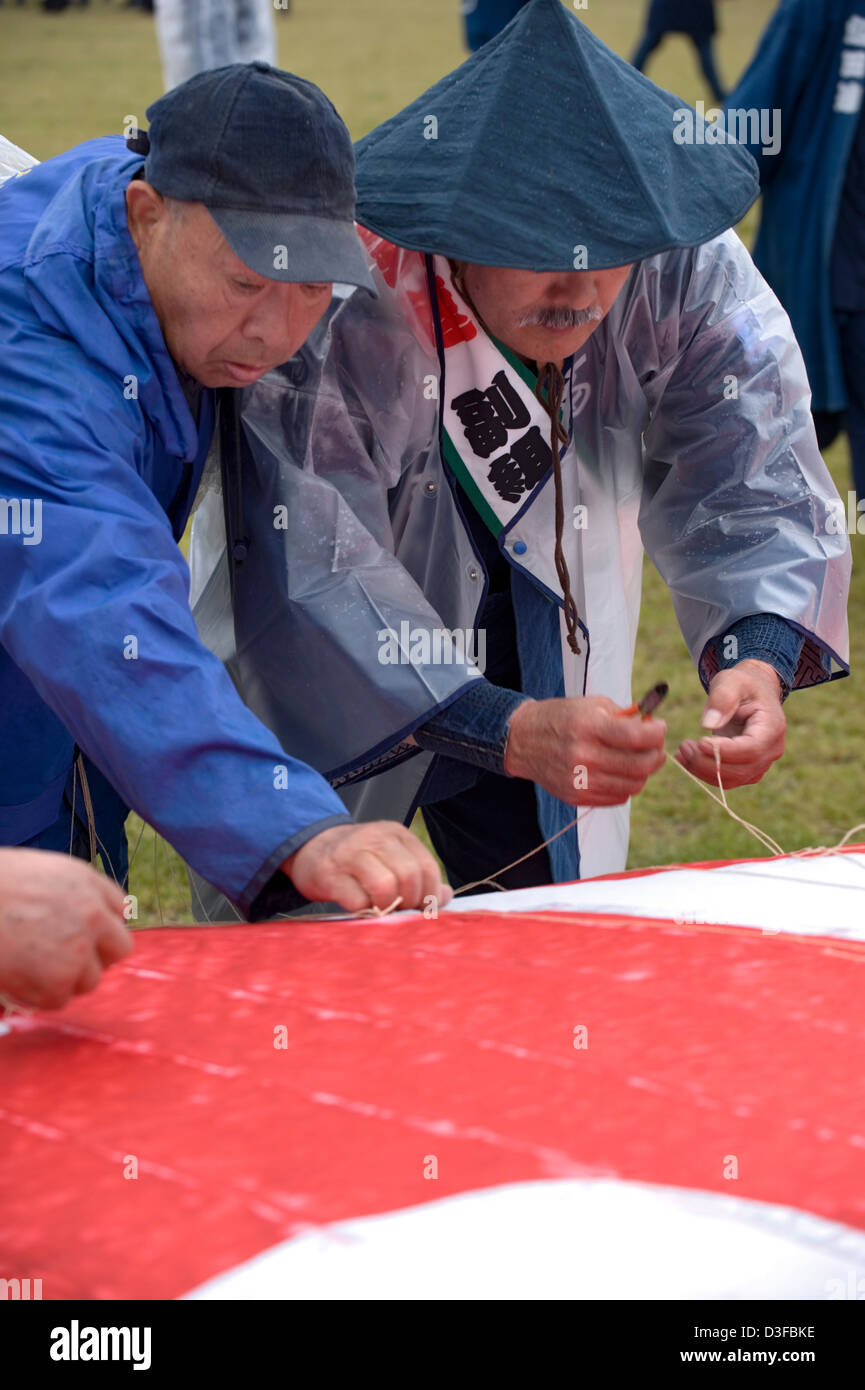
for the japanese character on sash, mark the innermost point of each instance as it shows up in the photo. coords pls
(522, 468)
(486, 416)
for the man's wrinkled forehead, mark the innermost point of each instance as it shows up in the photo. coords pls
(205, 238)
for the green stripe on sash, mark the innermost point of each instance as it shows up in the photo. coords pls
(469, 486)
(519, 366)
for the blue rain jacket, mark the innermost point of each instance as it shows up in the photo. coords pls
(803, 68)
(98, 647)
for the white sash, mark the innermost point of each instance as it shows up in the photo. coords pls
(497, 432)
(488, 407)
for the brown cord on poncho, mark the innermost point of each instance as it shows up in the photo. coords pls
(551, 381)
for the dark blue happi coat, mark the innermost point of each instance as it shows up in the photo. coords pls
(807, 67)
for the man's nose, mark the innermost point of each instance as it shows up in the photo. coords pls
(576, 289)
(275, 320)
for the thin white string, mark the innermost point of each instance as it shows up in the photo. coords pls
(720, 797)
(492, 880)
(764, 839)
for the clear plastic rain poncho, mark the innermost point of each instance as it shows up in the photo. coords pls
(691, 439)
(13, 160)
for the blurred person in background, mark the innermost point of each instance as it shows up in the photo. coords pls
(483, 19)
(696, 18)
(195, 35)
(810, 66)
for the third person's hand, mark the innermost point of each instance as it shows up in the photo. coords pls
(371, 865)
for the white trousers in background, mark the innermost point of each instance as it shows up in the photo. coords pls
(195, 35)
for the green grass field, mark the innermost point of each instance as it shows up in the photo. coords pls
(67, 77)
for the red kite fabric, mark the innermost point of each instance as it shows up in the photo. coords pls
(234, 1090)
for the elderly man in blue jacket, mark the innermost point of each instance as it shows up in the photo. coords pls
(132, 290)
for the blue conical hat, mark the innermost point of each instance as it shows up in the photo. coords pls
(546, 141)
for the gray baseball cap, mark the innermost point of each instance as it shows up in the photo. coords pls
(272, 161)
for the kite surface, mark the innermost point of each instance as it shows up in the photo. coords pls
(622, 1088)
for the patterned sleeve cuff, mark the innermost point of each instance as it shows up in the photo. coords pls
(474, 729)
(761, 637)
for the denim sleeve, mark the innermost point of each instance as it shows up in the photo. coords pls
(474, 729)
(761, 637)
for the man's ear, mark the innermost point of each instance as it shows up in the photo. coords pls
(145, 209)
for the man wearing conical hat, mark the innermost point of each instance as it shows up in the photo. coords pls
(572, 359)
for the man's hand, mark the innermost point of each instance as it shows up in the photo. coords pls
(744, 708)
(360, 866)
(61, 925)
(583, 750)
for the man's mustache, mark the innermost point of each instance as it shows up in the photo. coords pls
(559, 316)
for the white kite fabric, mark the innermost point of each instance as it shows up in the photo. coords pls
(812, 893)
(819, 894)
(576, 1239)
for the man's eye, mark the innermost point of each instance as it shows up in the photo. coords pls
(315, 289)
(246, 285)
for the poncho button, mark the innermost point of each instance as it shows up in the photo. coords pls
(430, 489)
(520, 547)
(472, 573)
